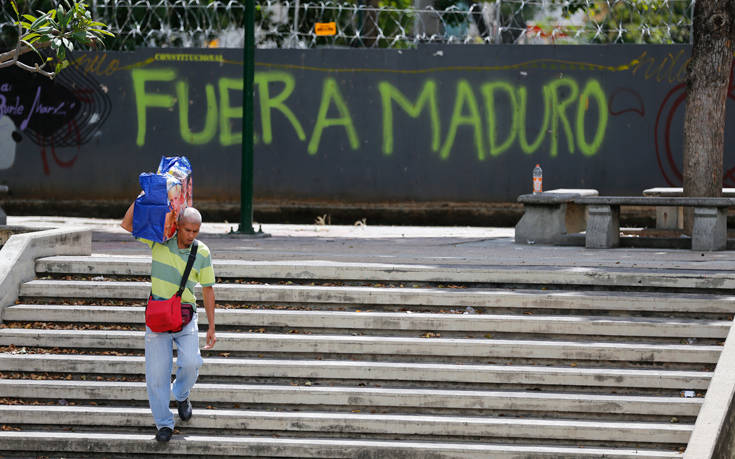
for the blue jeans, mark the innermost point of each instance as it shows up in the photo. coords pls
(158, 365)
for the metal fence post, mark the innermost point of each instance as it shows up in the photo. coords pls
(246, 174)
(498, 19)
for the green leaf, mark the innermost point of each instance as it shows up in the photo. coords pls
(29, 17)
(69, 45)
(15, 8)
(103, 32)
(64, 20)
(40, 20)
(32, 47)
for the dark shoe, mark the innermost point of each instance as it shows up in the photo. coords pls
(164, 434)
(184, 409)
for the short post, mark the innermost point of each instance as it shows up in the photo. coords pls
(603, 226)
(709, 231)
(670, 217)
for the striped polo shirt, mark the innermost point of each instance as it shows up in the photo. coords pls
(167, 267)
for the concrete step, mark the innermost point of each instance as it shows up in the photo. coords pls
(358, 423)
(407, 297)
(242, 446)
(387, 272)
(482, 323)
(372, 397)
(380, 345)
(367, 371)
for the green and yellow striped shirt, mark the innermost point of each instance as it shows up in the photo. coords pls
(167, 267)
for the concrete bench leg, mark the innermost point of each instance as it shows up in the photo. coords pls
(710, 228)
(669, 217)
(543, 224)
(603, 227)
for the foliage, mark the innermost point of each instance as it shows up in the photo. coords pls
(649, 21)
(582, 21)
(60, 29)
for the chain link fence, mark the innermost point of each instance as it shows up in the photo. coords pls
(380, 24)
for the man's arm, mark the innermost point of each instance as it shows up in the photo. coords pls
(127, 221)
(208, 294)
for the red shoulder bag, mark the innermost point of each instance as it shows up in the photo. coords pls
(165, 315)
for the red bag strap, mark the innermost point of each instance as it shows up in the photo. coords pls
(187, 270)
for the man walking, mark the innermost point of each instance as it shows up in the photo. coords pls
(167, 268)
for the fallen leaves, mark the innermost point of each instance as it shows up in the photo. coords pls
(50, 376)
(12, 349)
(72, 326)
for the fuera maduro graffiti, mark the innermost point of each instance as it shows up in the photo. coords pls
(563, 102)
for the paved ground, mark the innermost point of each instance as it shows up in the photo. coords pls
(395, 244)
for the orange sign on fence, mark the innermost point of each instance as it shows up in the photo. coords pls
(325, 28)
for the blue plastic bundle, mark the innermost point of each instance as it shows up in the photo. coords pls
(165, 194)
(151, 207)
(177, 166)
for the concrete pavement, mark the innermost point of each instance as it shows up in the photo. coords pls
(476, 246)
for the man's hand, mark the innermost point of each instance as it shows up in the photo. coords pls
(211, 338)
(208, 294)
(127, 221)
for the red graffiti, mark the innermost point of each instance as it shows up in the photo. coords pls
(84, 95)
(663, 132)
(72, 133)
(622, 96)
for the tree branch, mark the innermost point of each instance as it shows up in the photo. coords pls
(11, 58)
(20, 50)
(36, 69)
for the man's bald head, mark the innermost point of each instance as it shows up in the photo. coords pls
(190, 215)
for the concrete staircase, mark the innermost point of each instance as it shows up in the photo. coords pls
(323, 359)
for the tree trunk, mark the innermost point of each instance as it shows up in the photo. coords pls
(708, 76)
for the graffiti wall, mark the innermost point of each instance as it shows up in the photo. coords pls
(438, 123)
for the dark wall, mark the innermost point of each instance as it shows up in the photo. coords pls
(439, 123)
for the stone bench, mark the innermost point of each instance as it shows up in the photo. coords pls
(603, 221)
(550, 216)
(672, 217)
(3, 216)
